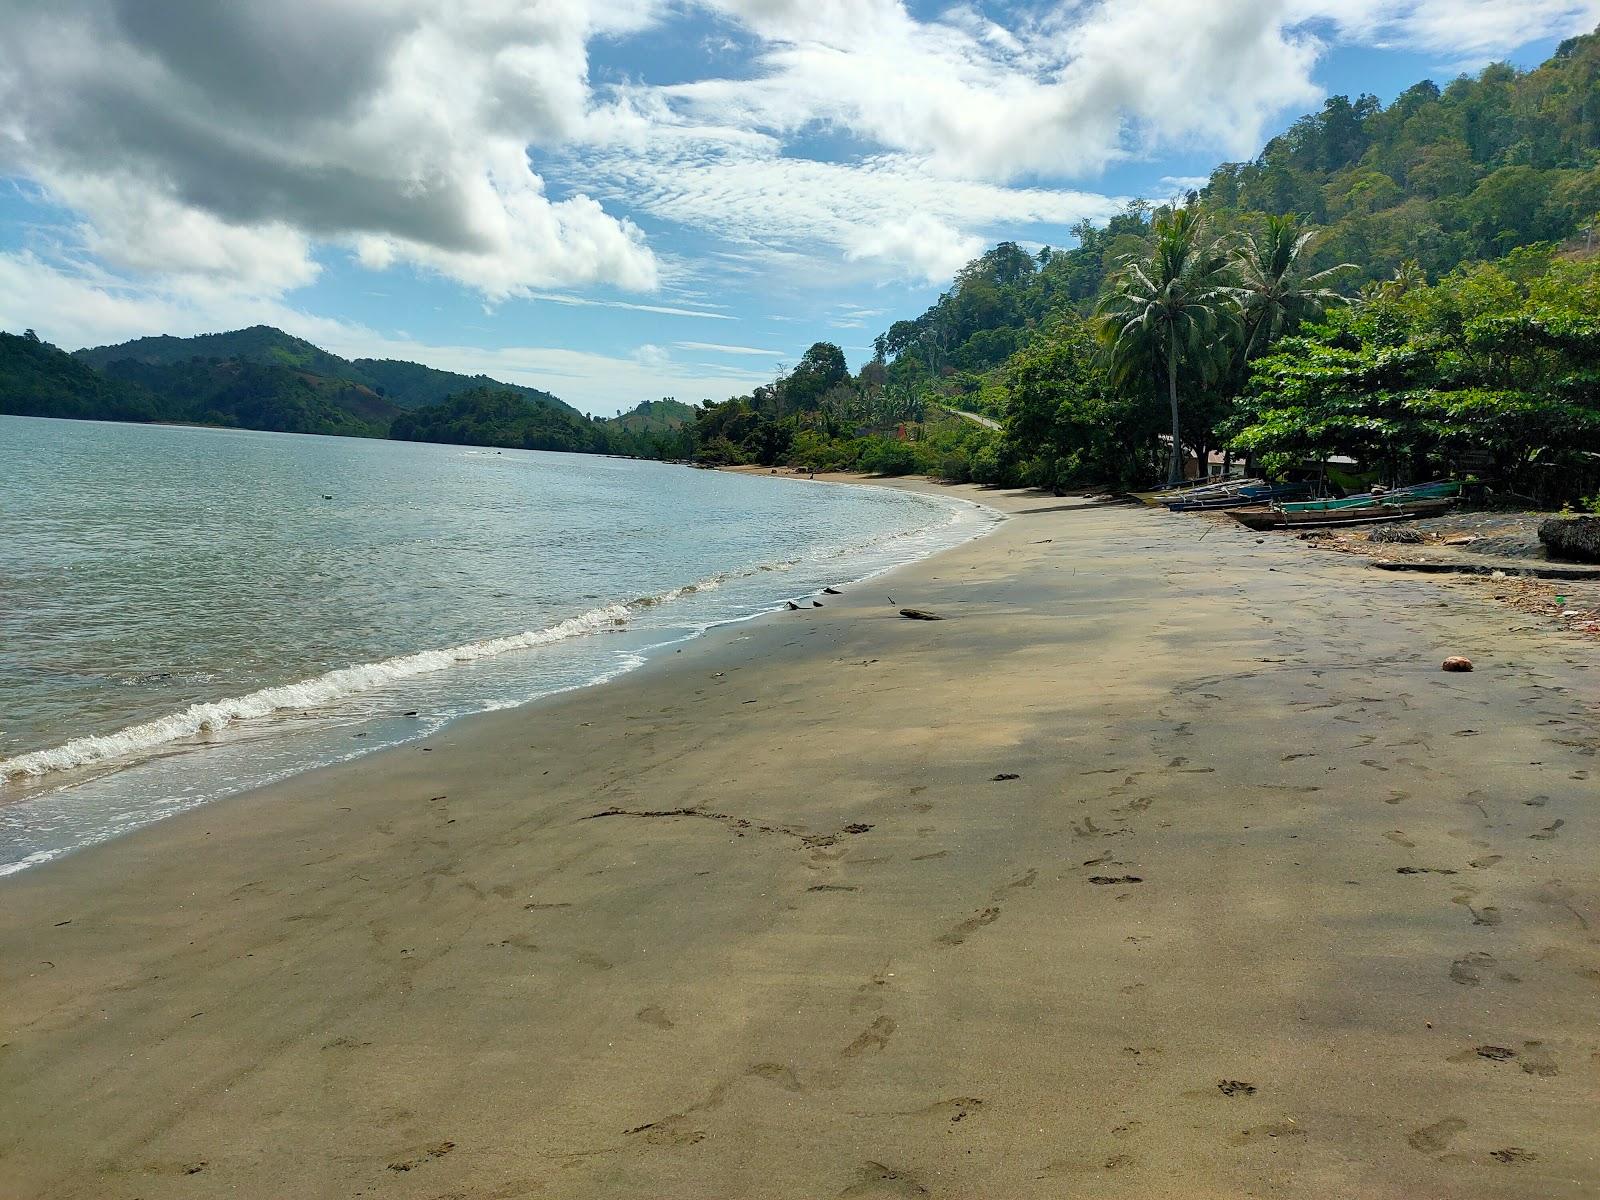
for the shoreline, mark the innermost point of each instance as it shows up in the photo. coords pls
(835, 903)
(108, 762)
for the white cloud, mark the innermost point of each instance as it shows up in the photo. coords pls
(1058, 95)
(718, 348)
(894, 211)
(1464, 30)
(920, 241)
(661, 309)
(206, 138)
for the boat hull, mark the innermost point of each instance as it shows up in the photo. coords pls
(1421, 491)
(1370, 514)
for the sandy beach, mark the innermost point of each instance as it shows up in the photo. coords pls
(1168, 864)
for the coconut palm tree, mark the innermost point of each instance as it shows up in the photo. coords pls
(1274, 293)
(1166, 311)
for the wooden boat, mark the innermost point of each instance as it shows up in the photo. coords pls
(1420, 491)
(1167, 495)
(1370, 513)
(1240, 497)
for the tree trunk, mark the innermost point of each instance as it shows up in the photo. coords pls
(1175, 460)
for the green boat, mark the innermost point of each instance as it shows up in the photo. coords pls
(1422, 491)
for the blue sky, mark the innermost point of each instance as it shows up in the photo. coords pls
(624, 199)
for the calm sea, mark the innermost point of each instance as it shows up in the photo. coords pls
(186, 613)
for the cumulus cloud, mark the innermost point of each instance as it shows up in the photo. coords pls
(221, 139)
(1064, 93)
(1463, 30)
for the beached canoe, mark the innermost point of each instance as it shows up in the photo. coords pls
(1419, 491)
(1168, 495)
(1240, 496)
(1266, 517)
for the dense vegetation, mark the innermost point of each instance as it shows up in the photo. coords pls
(38, 380)
(1496, 369)
(1283, 313)
(497, 417)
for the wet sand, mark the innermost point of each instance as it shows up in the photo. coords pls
(1168, 864)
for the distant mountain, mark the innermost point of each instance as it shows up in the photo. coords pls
(655, 416)
(402, 384)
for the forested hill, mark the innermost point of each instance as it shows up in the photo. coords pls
(263, 378)
(401, 384)
(38, 380)
(1441, 176)
(655, 416)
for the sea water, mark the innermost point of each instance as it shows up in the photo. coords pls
(188, 613)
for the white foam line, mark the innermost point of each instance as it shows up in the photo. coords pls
(309, 693)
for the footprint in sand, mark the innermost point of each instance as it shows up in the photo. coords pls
(874, 1037)
(1536, 1060)
(675, 1130)
(1400, 839)
(416, 1158)
(874, 1179)
(1025, 880)
(955, 1110)
(1470, 969)
(1548, 832)
(778, 1073)
(654, 1015)
(1487, 861)
(1430, 1139)
(1086, 1162)
(1513, 1154)
(1488, 1053)
(959, 934)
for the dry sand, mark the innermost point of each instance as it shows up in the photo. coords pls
(1273, 908)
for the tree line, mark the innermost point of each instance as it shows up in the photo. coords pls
(1410, 286)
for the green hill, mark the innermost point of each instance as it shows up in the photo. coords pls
(38, 380)
(256, 395)
(654, 416)
(1440, 177)
(489, 417)
(402, 384)
(260, 344)
(411, 385)
(263, 378)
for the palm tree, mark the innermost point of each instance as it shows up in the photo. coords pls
(1167, 309)
(1274, 294)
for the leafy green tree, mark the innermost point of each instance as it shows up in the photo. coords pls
(1065, 424)
(1275, 291)
(1495, 368)
(1168, 311)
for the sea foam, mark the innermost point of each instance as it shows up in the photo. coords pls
(212, 715)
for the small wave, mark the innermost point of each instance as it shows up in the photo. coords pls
(212, 715)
